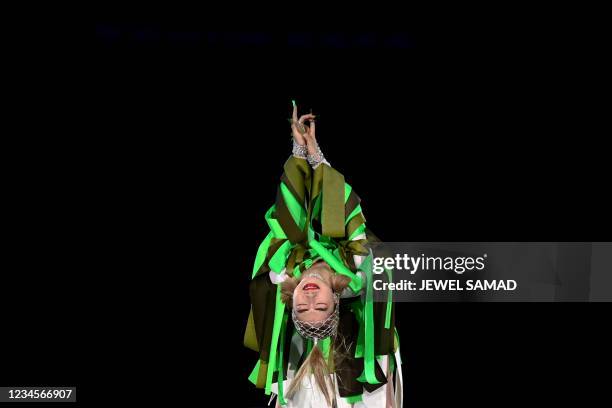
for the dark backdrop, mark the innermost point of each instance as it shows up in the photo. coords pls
(443, 137)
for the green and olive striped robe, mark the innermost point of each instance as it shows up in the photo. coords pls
(318, 215)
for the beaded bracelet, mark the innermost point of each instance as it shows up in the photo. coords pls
(317, 158)
(299, 150)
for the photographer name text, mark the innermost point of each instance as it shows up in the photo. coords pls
(447, 285)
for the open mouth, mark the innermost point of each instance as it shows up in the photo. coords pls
(310, 286)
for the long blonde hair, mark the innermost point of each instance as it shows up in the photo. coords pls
(315, 361)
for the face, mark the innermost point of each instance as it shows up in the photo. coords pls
(313, 298)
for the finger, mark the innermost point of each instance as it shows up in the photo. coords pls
(298, 129)
(308, 116)
(295, 114)
(295, 129)
(307, 135)
(311, 133)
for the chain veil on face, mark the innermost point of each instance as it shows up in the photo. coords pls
(321, 329)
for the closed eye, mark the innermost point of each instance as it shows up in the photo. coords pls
(321, 307)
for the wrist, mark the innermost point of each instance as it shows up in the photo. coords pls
(313, 148)
(315, 156)
(299, 150)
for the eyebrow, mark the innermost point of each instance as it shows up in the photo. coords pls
(304, 304)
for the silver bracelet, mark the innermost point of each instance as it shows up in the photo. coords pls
(317, 158)
(300, 151)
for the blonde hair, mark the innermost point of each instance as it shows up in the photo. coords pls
(315, 361)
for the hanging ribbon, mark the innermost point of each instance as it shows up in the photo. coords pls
(275, 226)
(389, 300)
(261, 253)
(280, 361)
(325, 346)
(279, 315)
(353, 399)
(279, 259)
(357, 309)
(369, 358)
(296, 208)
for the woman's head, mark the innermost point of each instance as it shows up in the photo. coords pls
(313, 296)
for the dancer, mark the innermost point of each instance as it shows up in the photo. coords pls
(322, 340)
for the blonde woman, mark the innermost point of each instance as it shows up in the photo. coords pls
(322, 340)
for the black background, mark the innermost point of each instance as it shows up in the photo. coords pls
(446, 130)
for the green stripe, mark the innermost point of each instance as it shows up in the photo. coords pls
(255, 373)
(274, 225)
(279, 260)
(353, 399)
(353, 224)
(295, 208)
(300, 197)
(357, 308)
(347, 191)
(369, 359)
(309, 345)
(356, 211)
(279, 314)
(352, 202)
(325, 345)
(286, 220)
(281, 374)
(359, 230)
(389, 300)
(261, 253)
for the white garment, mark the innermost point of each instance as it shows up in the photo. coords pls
(310, 396)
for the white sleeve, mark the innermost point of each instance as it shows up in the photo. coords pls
(320, 163)
(359, 258)
(277, 278)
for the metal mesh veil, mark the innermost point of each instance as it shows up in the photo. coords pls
(321, 329)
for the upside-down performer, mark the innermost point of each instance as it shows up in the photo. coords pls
(322, 340)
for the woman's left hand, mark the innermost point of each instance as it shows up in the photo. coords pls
(310, 137)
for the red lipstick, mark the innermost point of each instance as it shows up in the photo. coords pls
(310, 286)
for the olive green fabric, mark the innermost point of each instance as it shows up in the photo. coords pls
(333, 217)
(250, 336)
